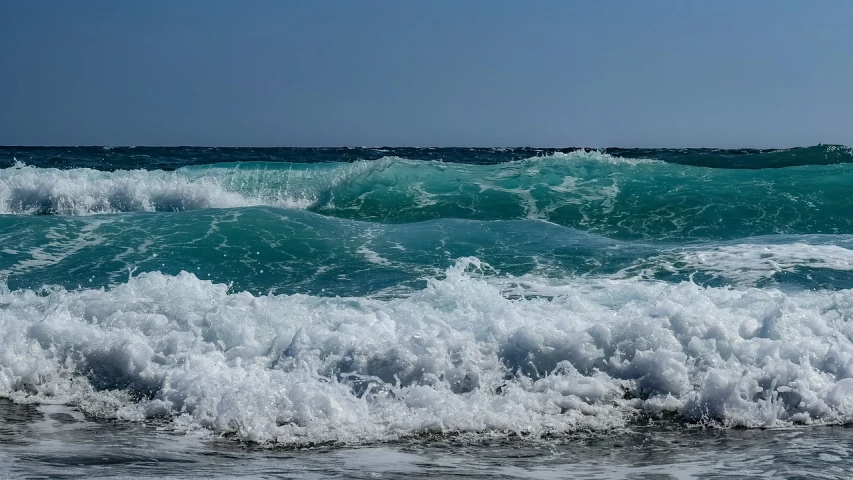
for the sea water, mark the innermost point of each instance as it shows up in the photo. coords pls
(426, 312)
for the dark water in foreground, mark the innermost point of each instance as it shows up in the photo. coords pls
(56, 442)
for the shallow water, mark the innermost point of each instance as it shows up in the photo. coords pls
(57, 442)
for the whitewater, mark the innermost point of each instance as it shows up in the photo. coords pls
(495, 312)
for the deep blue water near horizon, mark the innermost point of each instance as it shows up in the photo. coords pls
(391, 312)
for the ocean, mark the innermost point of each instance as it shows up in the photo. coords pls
(426, 312)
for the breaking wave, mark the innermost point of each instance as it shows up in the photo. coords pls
(459, 356)
(590, 191)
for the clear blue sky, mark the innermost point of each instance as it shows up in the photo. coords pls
(462, 72)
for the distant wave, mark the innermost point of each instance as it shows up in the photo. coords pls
(621, 198)
(743, 158)
(171, 158)
(82, 191)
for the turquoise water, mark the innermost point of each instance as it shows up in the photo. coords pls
(354, 297)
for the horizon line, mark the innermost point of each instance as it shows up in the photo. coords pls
(367, 147)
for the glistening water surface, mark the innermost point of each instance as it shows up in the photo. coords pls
(57, 442)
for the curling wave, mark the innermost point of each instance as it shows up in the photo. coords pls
(590, 191)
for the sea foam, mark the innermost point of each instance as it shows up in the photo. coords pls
(456, 357)
(83, 191)
(748, 263)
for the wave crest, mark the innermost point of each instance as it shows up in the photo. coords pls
(625, 199)
(35, 191)
(30, 190)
